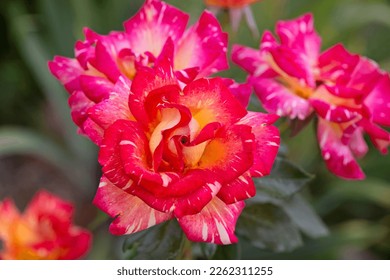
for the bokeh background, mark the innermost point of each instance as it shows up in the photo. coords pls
(39, 146)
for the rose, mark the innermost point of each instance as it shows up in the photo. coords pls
(101, 59)
(185, 153)
(44, 231)
(293, 79)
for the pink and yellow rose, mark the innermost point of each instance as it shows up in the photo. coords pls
(348, 93)
(187, 153)
(43, 232)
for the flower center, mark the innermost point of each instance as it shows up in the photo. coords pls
(172, 142)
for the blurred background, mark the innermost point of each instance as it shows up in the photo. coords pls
(39, 146)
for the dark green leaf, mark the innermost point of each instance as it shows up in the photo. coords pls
(164, 241)
(296, 125)
(22, 141)
(15, 140)
(58, 17)
(36, 55)
(208, 250)
(285, 180)
(304, 216)
(227, 252)
(375, 191)
(266, 226)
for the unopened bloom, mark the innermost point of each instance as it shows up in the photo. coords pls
(184, 153)
(292, 78)
(100, 59)
(44, 231)
(237, 8)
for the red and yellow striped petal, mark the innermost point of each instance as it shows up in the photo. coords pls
(215, 223)
(267, 142)
(130, 212)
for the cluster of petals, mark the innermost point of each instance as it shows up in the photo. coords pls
(100, 60)
(348, 93)
(184, 152)
(43, 232)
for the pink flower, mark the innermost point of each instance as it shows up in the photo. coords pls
(346, 102)
(293, 78)
(185, 153)
(284, 73)
(100, 59)
(237, 8)
(44, 231)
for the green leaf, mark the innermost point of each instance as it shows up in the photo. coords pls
(36, 55)
(285, 180)
(15, 140)
(208, 250)
(228, 252)
(58, 17)
(163, 241)
(22, 141)
(304, 216)
(297, 125)
(369, 190)
(267, 226)
(362, 233)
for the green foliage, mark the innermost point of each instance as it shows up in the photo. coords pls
(285, 180)
(267, 226)
(274, 218)
(163, 241)
(228, 252)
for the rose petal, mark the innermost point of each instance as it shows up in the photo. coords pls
(329, 112)
(241, 91)
(215, 223)
(96, 88)
(204, 46)
(253, 61)
(357, 143)
(149, 29)
(104, 62)
(378, 102)
(149, 79)
(279, 100)
(67, 71)
(8, 215)
(267, 141)
(240, 189)
(338, 157)
(292, 63)
(211, 101)
(113, 108)
(131, 213)
(94, 131)
(379, 136)
(79, 105)
(230, 154)
(49, 207)
(337, 64)
(299, 34)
